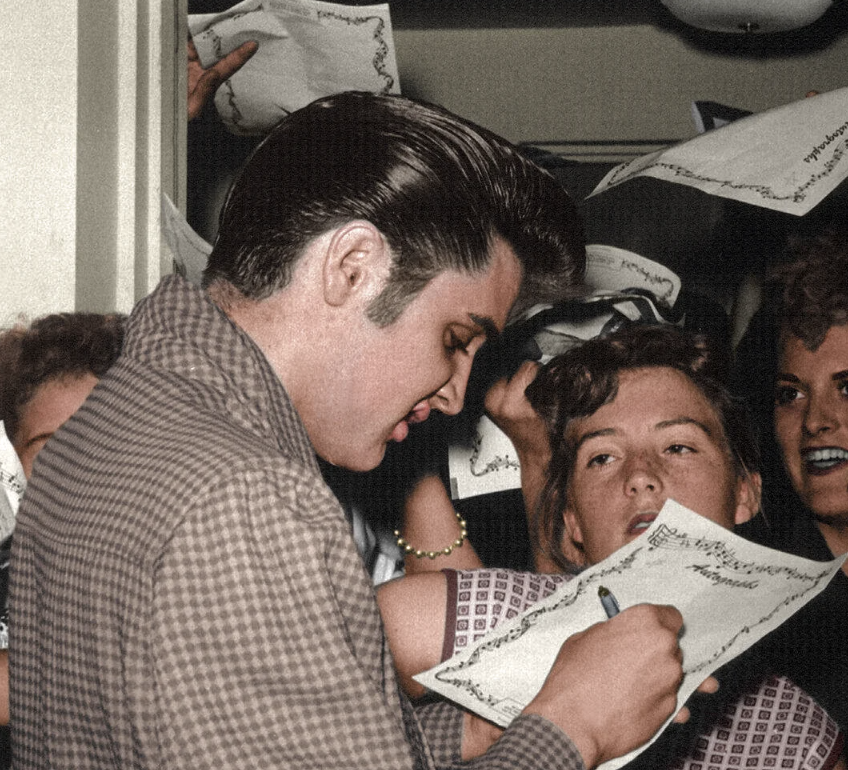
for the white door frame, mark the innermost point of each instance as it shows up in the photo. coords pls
(93, 126)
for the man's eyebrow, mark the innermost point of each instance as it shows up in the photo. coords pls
(787, 377)
(486, 324)
(839, 375)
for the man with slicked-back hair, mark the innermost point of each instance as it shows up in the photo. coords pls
(185, 589)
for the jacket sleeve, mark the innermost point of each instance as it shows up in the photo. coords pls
(531, 741)
(267, 646)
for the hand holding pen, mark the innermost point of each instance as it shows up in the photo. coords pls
(611, 607)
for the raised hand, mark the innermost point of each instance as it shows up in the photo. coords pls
(202, 83)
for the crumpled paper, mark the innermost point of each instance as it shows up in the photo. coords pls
(307, 49)
(786, 159)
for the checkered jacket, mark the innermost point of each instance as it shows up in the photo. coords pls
(185, 591)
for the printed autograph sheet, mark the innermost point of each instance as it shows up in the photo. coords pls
(307, 49)
(789, 158)
(730, 592)
(12, 484)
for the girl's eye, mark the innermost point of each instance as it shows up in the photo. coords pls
(786, 394)
(600, 459)
(843, 388)
(679, 449)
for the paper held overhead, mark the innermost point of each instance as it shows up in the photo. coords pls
(788, 159)
(307, 49)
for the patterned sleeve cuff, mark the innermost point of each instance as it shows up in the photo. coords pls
(531, 742)
(441, 722)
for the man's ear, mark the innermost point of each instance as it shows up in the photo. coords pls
(356, 263)
(749, 492)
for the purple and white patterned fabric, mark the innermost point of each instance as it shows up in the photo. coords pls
(776, 726)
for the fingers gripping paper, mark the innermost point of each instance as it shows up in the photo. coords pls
(307, 49)
(684, 560)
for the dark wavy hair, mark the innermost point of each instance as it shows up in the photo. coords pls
(438, 188)
(52, 347)
(808, 293)
(577, 383)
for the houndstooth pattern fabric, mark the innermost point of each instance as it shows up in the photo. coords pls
(185, 591)
(776, 726)
(544, 748)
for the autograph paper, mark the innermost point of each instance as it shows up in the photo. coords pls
(731, 592)
(788, 159)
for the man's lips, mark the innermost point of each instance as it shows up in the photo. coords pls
(640, 523)
(819, 461)
(418, 413)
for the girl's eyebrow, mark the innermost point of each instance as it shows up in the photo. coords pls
(792, 378)
(39, 437)
(684, 421)
(659, 426)
(593, 434)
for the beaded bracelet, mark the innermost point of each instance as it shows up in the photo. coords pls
(446, 551)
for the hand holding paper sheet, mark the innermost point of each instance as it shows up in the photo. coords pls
(684, 560)
(307, 49)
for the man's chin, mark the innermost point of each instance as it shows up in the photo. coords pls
(359, 461)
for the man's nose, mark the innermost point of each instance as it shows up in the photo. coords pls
(451, 396)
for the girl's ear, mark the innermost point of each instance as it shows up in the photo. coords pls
(749, 491)
(572, 539)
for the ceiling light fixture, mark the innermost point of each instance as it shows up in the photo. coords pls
(747, 16)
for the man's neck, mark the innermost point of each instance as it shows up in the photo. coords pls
(225, 295)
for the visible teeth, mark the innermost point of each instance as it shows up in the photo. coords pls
(826, 455)
(642, 525)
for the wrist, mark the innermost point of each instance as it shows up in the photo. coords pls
(572, 726)
(477, 735)
(410, 550)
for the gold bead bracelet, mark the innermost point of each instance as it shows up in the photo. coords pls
(446, 551)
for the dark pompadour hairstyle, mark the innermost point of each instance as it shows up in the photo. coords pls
(53, 347)
(577, 383)
(437, 187)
